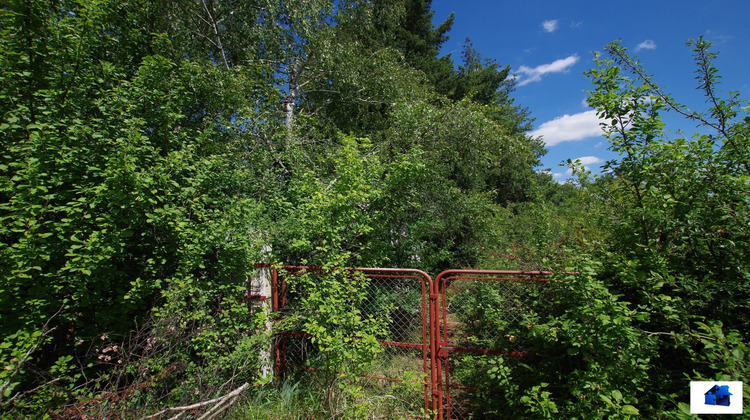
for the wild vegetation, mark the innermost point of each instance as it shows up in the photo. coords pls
(150, 150)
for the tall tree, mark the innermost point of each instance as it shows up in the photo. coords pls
(480, 79)
(407, 26)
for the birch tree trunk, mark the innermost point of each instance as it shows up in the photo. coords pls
(291, 99)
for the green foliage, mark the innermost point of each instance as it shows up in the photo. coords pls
(116, 184)
(330, 311)
(14, 352)
(461, 164)
(565, 220)
(194, 351)
(589, 358)
(606, 356)
(328, 308)
(679, 219)
(539, 401)
(407, 26)
(287, 400)
(726, 353)
(434, 168)
(151, 148)
(330, 213)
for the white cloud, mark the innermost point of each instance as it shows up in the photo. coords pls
(569, 128)
(550, 25)
(586, 162)
(589, 160)
(534, 74)
(646, 45)
(718, 39)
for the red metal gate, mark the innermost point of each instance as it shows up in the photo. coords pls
(400, 298)
(474, 321)
(483, 319)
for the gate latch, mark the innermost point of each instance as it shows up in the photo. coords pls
(445, 351)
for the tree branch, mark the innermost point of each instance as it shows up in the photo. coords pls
(222, 403)
(215, 28)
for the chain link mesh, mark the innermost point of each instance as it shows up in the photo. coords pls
(398, 377)
(485, 349)
(485, 320)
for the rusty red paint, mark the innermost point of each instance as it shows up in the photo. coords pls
(442, 284)
(435, 344)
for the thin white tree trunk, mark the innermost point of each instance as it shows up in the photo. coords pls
(291, 98)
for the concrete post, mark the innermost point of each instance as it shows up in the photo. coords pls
(260, 293)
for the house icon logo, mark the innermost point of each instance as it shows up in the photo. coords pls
(718, 395)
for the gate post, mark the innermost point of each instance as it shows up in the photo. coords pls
(260, 293)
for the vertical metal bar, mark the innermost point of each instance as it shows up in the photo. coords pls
(445, 356)
(277, 339)
(448, 407)
(436, 343)
(434, 362)
(425, 343)
(274, 281)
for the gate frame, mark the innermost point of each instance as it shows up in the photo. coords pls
(436, 352)
(428, 299)
(443, 351)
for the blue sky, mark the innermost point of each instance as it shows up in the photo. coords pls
(549, 44)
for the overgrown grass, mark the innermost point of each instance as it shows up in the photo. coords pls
(288, 401)
(310, 399)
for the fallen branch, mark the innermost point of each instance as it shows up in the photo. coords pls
(222, 403)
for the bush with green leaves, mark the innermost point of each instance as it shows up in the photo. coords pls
(595, 358)
(327, 307)
(585, 356)
(120, 184)
(679, 247)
